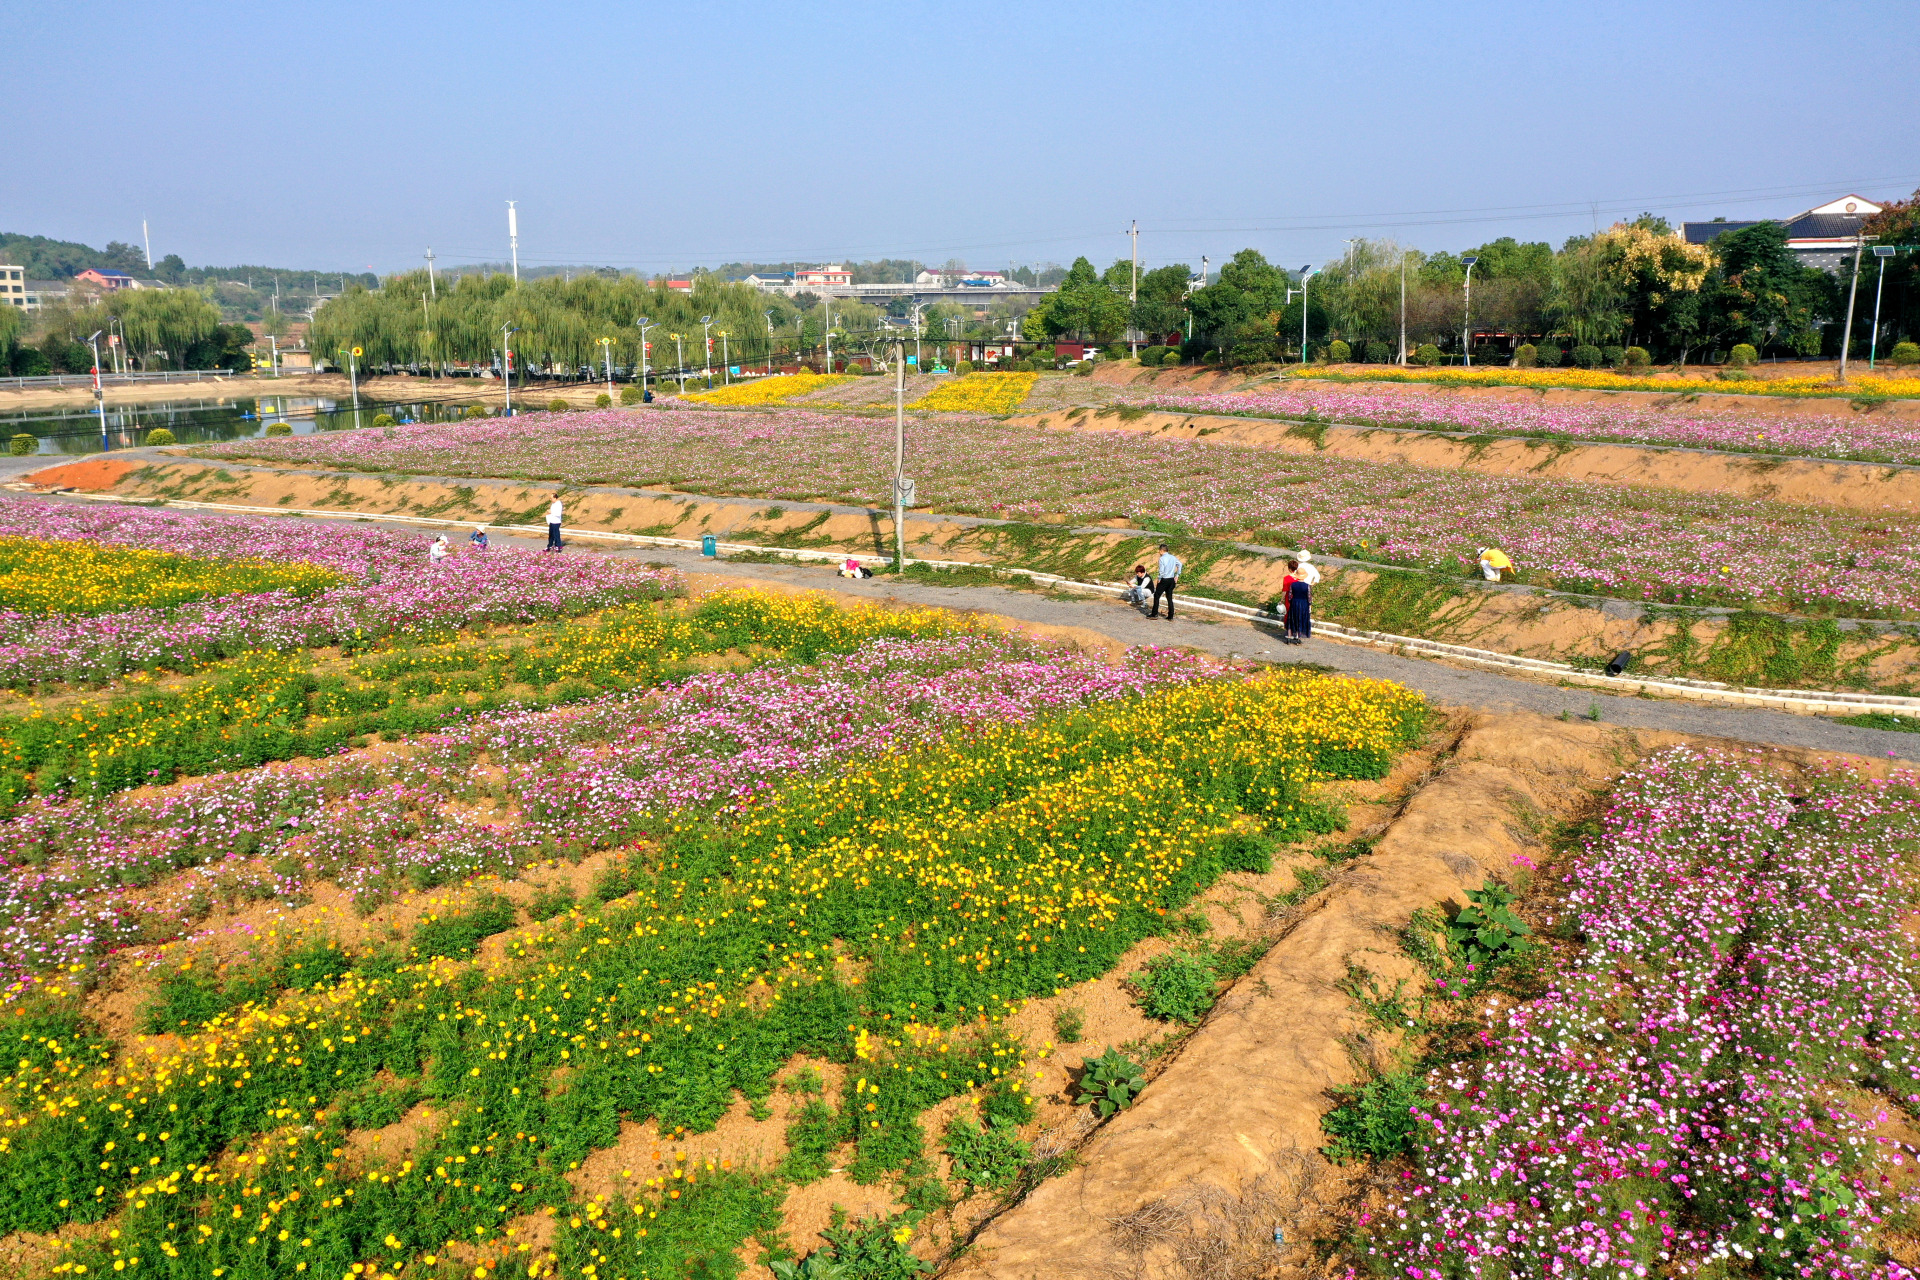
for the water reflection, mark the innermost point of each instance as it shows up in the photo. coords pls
(68, 432)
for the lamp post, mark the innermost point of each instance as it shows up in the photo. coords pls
(1305, 275)
(643, 324)
(1882, 252)
(606, 363)
(1403, 307)
(726, 361)
(1466, 334)
(916, 334)
(899, 457)
(826, 329)
(769, 315)
(99, 397)
(506, 364)
(706, 332)
(680, 358)
(353, 379)
(1853, 290)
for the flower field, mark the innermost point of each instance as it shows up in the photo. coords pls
(979, 393)
(1865, 437)
(1702, 1090)
(39, 576)
(764, 391)
(1605, 380)
(870, 859)
(1681, 548)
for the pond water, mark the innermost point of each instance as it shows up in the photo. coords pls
(65, 432)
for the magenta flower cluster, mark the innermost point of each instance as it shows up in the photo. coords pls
(78, 879)
(391, 591)
(1697, 1092)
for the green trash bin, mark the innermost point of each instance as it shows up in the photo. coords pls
(708, 545)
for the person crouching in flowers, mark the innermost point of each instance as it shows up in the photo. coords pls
(439, 550)
(477, 540)
(1492, 561)
(852, 568)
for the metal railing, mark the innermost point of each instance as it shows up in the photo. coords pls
(108, 379)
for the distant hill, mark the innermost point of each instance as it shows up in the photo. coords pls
(48, 259)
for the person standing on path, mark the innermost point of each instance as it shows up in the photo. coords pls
(1300, 608)
(1170, 567)
(554, 513)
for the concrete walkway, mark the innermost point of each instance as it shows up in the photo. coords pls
(1444, 683)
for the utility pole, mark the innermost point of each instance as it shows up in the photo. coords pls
(148, 242)
(506, 363)
(1846, 334)
(826, 328)
(99, 397)
(1350, 245)
(606, 362)
(680, 357)
(1882, 252)
(899, 457)
(644, 323)
(726, 361)
(769, 314)
(433, 286)
(1133, 290)
(1466, 320)
(513, 238)
(1403, 307)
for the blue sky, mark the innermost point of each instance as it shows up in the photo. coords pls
(651, 136)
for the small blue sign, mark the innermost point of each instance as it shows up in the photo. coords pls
(913, 359)
(735, 370)
(709, 546)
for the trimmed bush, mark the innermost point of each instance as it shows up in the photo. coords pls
(1527, 356)
(1378, 352)
(1427, 354)
(1905, 353)
(24, 444)
(383, 420)
(555, 405)
(159, 435)
(1612, 356)
(1153, 356)
(1637, 358)
(1339, 352)
(603, 401)
(1742, 355)
(630, 394)
(474, 411)
(1586, 356)
(963, 367)
(279, 428)
(1549, 355)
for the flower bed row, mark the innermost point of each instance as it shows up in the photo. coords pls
(979, 393)
(1699, 1089)
(1598, 380)
(389, 592)
(1680, 548)
(761, 391)
(39, 576)
(883, 917)
(1869, 438)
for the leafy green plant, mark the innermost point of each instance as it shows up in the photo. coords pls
(1637, 358)
(1110, 1082)
(1586, 356)
(874, 1248)
(1378, 352)
(812, 1135)
(1176, 987)
(603, 401)
(279, 428)
(549, 901)
(384, 420)
(458, 935)
(1527, 355)
(631, 394)
(991, 1157)
(1339, 352)
(1612, 356)
(1069, 1022)
(1427, 354)
(1373, 1121)
(1549, 354)
(556, 405)
(159, 436)
(1742, 355)
(815, 1266)
(24, 444)
(1905, 353)
(1486, 931)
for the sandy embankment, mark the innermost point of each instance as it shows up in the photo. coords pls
(226, 390)
(1856, 486)
(1523, 623)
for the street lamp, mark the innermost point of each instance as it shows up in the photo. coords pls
(606, 363)
(1466, 335)
(1882, 252)
(706, 331)
(1305, 275)
(99, 397)
(353, 378)
(1853, 291)
(644, 323)
(769, 315)
(826, 329)
(506, 363)
(916, 334)
(680, 358)
(726, 361)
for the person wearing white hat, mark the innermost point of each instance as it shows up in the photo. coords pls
(1492, 561)
(1309, 571)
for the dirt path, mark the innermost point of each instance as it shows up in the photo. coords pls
(1856, 486)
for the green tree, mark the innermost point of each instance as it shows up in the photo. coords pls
(1085, 307)
(1898, 224)
(1759, 293)
(166, 327)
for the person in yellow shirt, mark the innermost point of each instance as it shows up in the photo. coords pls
(1493, 561)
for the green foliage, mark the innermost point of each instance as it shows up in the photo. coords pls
(474, 411)
(1905, 353)
(1486, 932)
(603, 401)
(557, 405)
(1549, 353)
(1586, 356)
(459, 934)
(1069, 1023)
(1176, 987)
(1637, 358)
(1374, 1121)
(1339, 352)
(159, 436)
(1612, 356)
(874, 1248)
(631, 393)
(1378, 352)
(1110, 1082)
(24, 444)
(1151, 357)
(989, 1158)
(1426, 354)
(963, 367)
(1527, 356)
(279, 428)
(384, 420)
(549, 901)
(1742, 355)
(1882, 720)
(813, 1134)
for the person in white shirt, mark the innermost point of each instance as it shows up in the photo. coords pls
(439, 550)
(1170, 567)
(554, 512)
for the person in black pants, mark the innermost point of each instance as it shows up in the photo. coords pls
(1169, 574)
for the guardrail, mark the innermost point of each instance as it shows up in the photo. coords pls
(107, 379)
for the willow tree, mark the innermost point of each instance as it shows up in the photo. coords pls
(164, 322)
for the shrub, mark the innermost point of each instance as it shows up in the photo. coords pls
(279, 428)
(1549, 355)
(1587, 356)
(1378, 352)
(557, 405)
(1152, 356)
(631, 394)
(1373, 1122)
(1176, 987)
(1637, 358)
(1742, 355)
(1339, 352)
(963, 367)
(1527, 356)
(1486, 931)
(383, 420)
(1905, 353)
(475, 411)
(1110, 1082)
(159, 435)
(990, 1157)
(603, 401)
(24, 444)
(1612, 356)
(1427, 354)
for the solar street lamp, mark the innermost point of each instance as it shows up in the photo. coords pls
(680, 358)
(506, 364)
(99, 397)
(643, 324)
(1882, 252)
(1466, 335)
(1306, 274)
(706, 331)
(606, 362)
